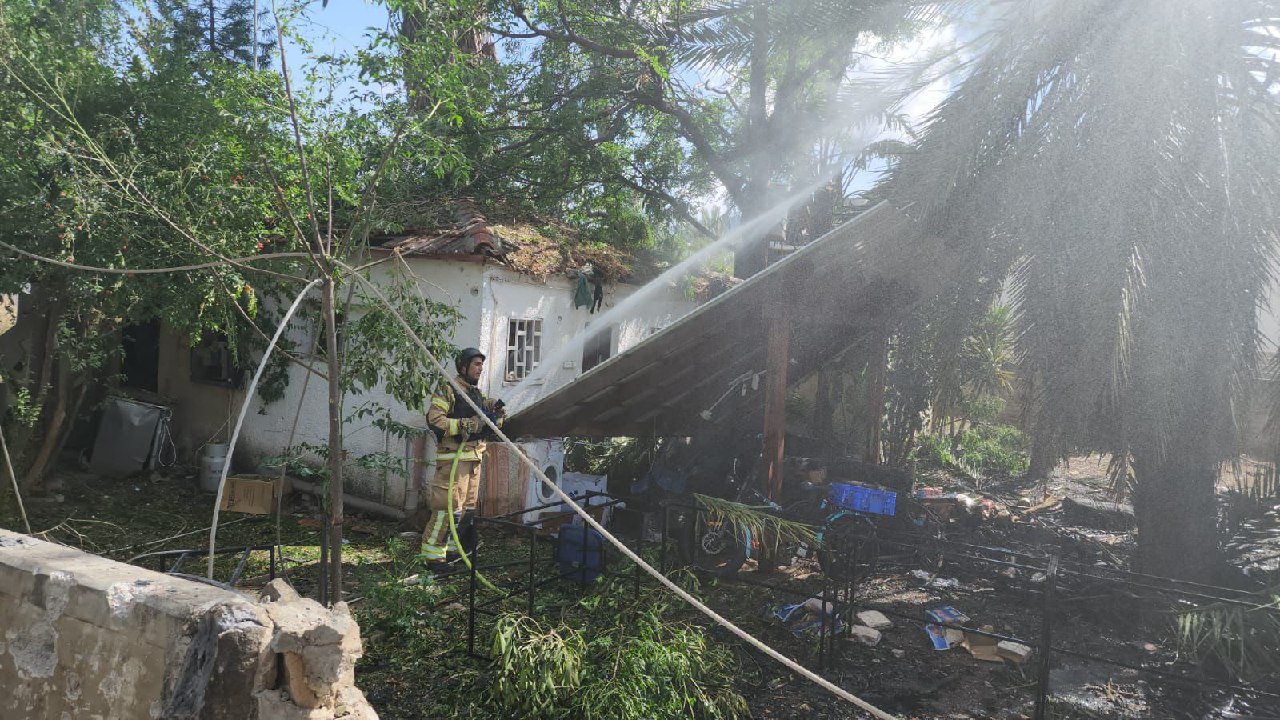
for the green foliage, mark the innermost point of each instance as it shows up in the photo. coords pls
(1241, 640)
(21, 409)
(982, 451)
(144, 142)
(631, 660)
(297, 461)
(382, 355)
(968, 381)
(950, 363)
(221, 30)
(537, 671)
(398, 599)
(622, 459)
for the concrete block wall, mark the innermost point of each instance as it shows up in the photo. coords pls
(86, 638)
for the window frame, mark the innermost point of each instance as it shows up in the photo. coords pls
(599, 346)
(520, 361)
(232, 376)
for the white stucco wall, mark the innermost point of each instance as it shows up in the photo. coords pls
(565, 328)
(488, 296)
(267, 430)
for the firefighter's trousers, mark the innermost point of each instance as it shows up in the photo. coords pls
(437, 540)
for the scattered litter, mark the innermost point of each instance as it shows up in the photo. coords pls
(1010, 650)
(1039, 577)
(935, 582)
(982, 647)
(954, 636)
(803, 620)
(899, 653)
(1009, 572)
(786, 612)
(865, 635)
(947, 615)
(874, 619)
(937, 636)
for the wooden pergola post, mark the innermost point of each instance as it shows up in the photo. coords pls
(777, 356)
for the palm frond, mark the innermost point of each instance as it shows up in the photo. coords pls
(754, 522)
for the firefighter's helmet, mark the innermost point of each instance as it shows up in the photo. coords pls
(465, 356)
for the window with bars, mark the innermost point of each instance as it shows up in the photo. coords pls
(524, 348)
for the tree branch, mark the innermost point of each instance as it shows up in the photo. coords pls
(678, 206)
(569, 36)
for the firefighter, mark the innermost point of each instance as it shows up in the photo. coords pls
(460, 435)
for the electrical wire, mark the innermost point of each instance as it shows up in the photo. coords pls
(241, 261)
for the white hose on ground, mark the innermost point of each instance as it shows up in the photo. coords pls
(244, 410)
(630, 554)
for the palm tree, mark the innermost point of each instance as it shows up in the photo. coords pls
(1119, 162)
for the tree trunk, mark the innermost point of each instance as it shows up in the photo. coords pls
(777, 353)
(824, 403)
(335, 441)
(752, 254)
(213, 24)
(876, 380)
(1176, 510)
(40, 464)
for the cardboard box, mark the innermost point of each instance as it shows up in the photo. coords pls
(251, 494)
(983, 647)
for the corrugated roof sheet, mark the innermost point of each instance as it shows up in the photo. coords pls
(843, 288)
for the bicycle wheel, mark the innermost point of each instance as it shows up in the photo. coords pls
(849, 548)
(713, 546)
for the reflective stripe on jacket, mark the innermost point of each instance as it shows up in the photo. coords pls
(445, 416)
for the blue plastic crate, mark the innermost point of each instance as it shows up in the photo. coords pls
(864, 499)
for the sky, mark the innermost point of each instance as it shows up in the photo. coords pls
(342, 25)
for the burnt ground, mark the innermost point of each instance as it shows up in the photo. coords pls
(904, 675)
(415, 664)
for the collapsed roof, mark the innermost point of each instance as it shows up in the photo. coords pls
(530, 246)
(844, 288)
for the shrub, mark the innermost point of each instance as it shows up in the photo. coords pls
(1240, 640)
(630, 661)
(984, 450)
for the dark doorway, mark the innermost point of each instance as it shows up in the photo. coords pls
(141, 366)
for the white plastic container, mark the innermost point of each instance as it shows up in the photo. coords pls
(212, 458)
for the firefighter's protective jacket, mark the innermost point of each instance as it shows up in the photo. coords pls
(445, 416)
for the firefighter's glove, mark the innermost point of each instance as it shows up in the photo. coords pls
(471, 426)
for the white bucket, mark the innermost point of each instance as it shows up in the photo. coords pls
(212, 459)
